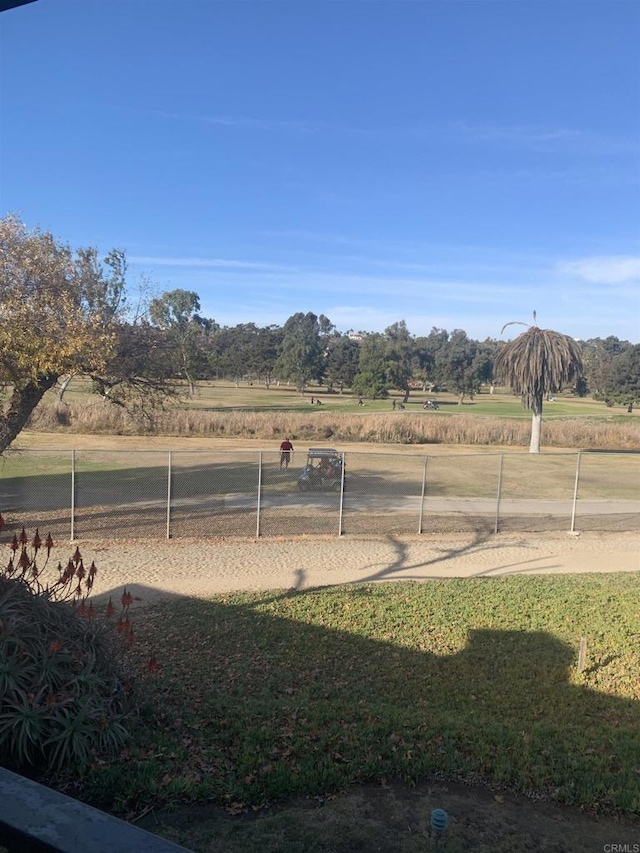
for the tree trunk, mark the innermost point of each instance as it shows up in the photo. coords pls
(407, 391)
(536, 425)
(190, 383)
(19, 408)
(64, 385)
(187, 374)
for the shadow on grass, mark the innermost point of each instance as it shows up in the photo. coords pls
(269, 696)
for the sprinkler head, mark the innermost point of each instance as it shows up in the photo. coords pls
(439, 821)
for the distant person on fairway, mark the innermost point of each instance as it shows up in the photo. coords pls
(286, 448)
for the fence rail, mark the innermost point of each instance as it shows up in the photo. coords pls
(95, 494)
(37, 819)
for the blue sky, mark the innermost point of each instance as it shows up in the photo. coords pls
(450, 163)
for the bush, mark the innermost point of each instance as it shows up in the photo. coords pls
(63, 676)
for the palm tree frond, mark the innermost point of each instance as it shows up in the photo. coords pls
(513, 323)
(538, 362)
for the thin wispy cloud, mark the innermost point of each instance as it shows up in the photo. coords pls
(457, 290)
(208, 263)
(306, 283)
(406, 250)
(517, 136)
(241, 122)
(476, 292)
(467, 277)
(545, 138)
(611, 270)
(366, 319)
(462, 264)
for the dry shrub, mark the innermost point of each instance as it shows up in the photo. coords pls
(50, 418)
(97, 417)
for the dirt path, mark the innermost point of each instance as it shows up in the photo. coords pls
(207, 567)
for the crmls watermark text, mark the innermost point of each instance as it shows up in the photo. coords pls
(621, 848)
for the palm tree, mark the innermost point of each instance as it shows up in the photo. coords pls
(538, 363)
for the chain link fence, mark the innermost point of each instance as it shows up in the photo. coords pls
(197, 494)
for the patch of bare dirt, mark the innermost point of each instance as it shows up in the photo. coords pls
(395, 818)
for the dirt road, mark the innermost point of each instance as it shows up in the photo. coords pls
(207, 567)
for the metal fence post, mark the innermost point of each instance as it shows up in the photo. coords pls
(259, 493)
(575, 493)
(341, 495)
(73, 495)
(424, 486)
(495, 529)
(169, 472)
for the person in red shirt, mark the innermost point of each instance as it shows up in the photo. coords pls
(286, 448)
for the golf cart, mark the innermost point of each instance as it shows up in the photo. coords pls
(322, 471)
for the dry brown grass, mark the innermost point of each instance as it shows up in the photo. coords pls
(96, 417)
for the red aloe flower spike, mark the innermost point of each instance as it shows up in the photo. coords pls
(55, 646)
(14, 543)
(127, 598)
(80, 572)
(82, 609)
(36, 544)
(109, 608)
(129, 635)
(10, 568)
(24, 562)
(152, 665)
(23, 537)
(69, 572)
(77, 556)
(49, 543)
(92, 569)
(119, 626)
(91, 612)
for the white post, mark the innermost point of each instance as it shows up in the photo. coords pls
(169, 496)
(341, 497)
(495, 529)
(424, 487)
(582, 654)
(73, 495)
(259, 493)
(575, 493)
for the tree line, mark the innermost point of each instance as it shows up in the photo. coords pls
(308, 349)
(66, 312)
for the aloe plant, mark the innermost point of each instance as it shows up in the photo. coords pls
(64, 693)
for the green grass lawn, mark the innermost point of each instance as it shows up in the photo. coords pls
(222, 395)
(267, 695)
